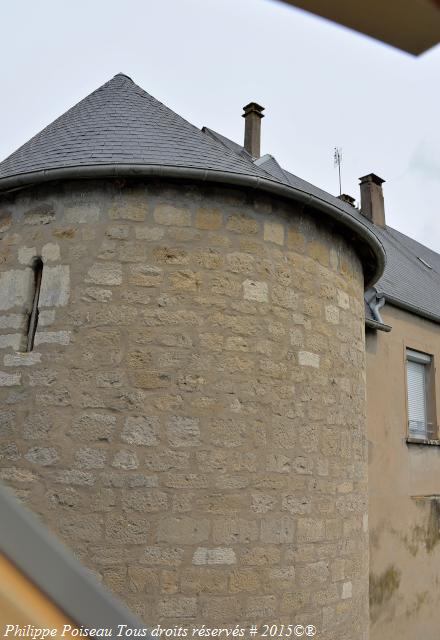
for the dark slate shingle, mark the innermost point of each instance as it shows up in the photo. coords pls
(120, 123)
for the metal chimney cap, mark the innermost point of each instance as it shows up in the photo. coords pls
(253, 107)
(372, 177)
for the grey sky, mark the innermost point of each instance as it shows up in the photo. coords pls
(322, 86)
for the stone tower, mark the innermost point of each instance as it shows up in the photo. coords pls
(182, 376)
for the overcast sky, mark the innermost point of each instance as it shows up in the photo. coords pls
(322, 86)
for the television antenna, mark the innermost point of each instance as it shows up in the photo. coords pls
(337, 157)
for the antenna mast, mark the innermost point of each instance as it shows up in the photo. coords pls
(337, 157)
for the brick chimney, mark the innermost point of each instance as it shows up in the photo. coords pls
(372, 204)
(252, 128)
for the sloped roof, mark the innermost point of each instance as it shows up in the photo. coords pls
(407, 281)
(120, 123)
(412, 275)
(121, 130)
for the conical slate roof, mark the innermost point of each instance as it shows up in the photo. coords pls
(121, 124)
(120, 130)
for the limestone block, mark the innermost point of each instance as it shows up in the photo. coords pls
(141, 431)
(13, 321)
(183, 530)
(93, 427)
(257, 291)
(26, 255)
(307, 359)
(44, 456)
(274, 232)
(167, 214)
(216, 555)
(183, 432)
(55, 286)
(125, 460)
(241, 223)
(129, 209)
(81, 213)
(9, 379)
(22, 359)
(52, 337)
(107, 273)
(89, 458)
(209, 219)
(16, 289)
(167, 556)
(50, 252)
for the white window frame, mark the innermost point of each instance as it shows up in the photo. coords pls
(418, 394)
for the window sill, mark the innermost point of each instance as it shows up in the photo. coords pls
(433, 443)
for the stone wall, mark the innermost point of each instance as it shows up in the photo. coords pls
(191, 419)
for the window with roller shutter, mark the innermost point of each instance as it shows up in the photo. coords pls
(418, 372)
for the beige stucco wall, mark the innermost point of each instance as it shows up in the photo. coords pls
(192, 419)
(404, 519)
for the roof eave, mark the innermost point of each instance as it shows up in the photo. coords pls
(418, 311)
(373, 269)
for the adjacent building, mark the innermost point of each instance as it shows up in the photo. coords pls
(403, 388)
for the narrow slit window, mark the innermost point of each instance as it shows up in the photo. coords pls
(37, 268)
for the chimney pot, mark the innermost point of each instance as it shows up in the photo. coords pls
(252, 128)
(372, 202)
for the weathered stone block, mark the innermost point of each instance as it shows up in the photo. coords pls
(257, 291)
(183, 432)
(27, 359)
(127, 529)
(183, 530)
(145, 276)
(274, 232)
(167, 214)
(81, 213)
(108, 273)
(168, 556)
(92, 427)
(26, 255)
(216, 555)
(9, 379)
(15, 289)
(307, 359)
(55, 286)
(150, 234)
(277, 530)
(52, 337)
(310, 530)
(143, 430)
(44, 456)
(50, 252)
(129, 209)
(234, 531)
(241, 223)
(177, 607)
(88, 458)
(125, 460)
(209, 219)
(13, 321)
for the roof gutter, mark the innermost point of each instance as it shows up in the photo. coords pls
(380, 326)
(372, 271)
(412, 308)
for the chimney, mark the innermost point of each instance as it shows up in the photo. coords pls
(252, 128)
(372, 204)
